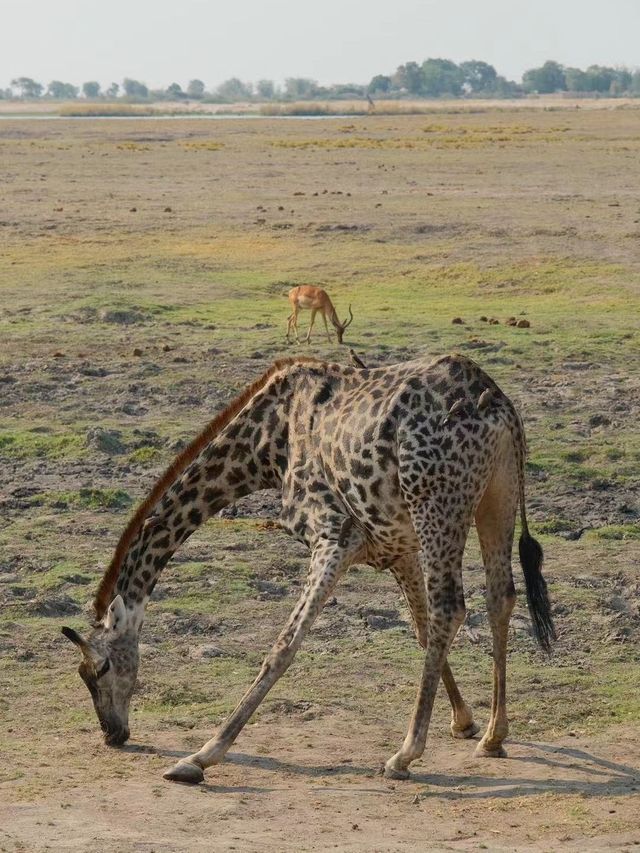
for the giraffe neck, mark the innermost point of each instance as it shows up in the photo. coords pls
(250, 453)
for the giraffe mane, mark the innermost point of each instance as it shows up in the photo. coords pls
(182, 460)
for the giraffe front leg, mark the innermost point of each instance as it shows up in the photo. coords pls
(329, 561)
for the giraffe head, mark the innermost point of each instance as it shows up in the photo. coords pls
(109, 668)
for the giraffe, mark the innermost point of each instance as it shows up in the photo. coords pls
(386, 466)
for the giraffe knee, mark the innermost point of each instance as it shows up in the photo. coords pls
(277, 658)
(500, 606)
(457, 620)
(443, 626)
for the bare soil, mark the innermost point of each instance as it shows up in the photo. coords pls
(312, 793)
(142, 283)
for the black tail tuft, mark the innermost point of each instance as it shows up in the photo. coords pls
(537, 596)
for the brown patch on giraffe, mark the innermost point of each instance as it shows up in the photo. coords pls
(179, 464)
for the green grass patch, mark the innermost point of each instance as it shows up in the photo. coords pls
(29, 443)
(616, 532)
(551, 526)
(203, 145)
(145, 455)
(63, 573)
(230, 584)
(114, 499)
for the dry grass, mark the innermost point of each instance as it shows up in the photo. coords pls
(115, 110)
(143, 282)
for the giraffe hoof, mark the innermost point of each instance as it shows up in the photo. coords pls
(483, 752)
(395, 773)
(463, 734)
(185, 772)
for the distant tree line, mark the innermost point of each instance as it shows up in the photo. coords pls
(433, 78)
(599, 79)
(443, 78)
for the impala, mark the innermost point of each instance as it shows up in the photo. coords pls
(314, 299)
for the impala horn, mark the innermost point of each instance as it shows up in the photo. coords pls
(348, 322)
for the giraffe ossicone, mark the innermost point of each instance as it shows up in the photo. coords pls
(387, 466)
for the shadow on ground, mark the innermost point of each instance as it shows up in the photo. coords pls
(568, 771)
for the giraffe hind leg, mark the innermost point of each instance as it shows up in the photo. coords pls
(443, 574)
(410, 576)
(495, 522)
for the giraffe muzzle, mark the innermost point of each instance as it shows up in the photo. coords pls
(116, 736)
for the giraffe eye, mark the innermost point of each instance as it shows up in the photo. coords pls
(103, 669)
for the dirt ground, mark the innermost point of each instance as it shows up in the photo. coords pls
(311, 793)
(143, 275)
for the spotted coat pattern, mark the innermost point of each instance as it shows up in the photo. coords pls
(386, 466)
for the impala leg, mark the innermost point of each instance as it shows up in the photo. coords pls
(329, 561)
(289, 325)
(296, 311)
(314, 311)
(326, 326)
(410, 576)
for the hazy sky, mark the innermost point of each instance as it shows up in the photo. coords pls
(162, 41)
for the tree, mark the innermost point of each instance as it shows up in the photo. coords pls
(575, 80)
(379, 85)
(62, 91)
(28, 87)
(441, 77)
(478, 76)
(195, 89)
(265, 89)
(134, 89)
(345, 90)
(503, 88)
(545, 80)
(409, 77)
(174, 90)
(91, 89)
(299, 88)
(599, 78)
(622, 81)
(234, 90)
(112, 91)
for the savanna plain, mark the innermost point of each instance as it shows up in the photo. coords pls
(144, 267)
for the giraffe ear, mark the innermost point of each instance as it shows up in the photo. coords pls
(115, 619)
(76, 639)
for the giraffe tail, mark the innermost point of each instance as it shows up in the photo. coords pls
(531, 558)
